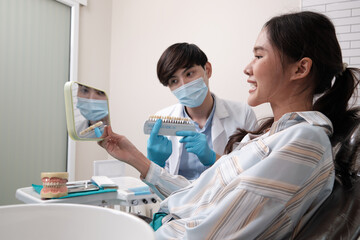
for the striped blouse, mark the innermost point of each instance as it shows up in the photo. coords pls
(267, 188)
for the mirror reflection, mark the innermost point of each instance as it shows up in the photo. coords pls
(91, 111)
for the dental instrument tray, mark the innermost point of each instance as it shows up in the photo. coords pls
(170, 125)
(81, 186)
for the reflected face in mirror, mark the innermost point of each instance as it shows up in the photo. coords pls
(92, 103)
(93, 107)
(90, 93)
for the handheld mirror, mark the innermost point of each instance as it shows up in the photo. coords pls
(87, 111)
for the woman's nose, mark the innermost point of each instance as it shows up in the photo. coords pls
(247, 69)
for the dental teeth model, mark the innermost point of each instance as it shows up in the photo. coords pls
(170, 125)
(54, 184)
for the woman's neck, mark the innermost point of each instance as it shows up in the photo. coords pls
(293, 105)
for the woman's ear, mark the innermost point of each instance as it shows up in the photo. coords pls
(301, 68)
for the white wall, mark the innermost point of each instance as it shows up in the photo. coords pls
(94, 70)
(345, 14)
(143, 29)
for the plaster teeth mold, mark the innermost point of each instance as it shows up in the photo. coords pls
(54, 184)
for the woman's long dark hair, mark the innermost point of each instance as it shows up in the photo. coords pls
(312, 35)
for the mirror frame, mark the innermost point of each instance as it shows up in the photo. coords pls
(69, 110)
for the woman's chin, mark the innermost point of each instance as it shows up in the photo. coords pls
(252, 102)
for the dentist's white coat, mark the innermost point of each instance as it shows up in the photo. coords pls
(228, 116)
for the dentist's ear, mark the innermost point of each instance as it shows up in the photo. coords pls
(208, 69)
(301, 68)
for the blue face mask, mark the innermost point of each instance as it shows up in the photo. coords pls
(192, 94)
(92, 109)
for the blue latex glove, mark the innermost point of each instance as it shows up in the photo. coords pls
(159, 148)
(196, 143)
(98, 132)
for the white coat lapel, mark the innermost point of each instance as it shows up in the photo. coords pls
(218, 133)
(176, 146)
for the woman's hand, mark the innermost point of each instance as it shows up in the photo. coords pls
(122, 149)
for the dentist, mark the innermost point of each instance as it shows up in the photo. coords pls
(185, 70)
(93, 106)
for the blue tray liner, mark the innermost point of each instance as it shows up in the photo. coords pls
(38, 188)
(145, 190)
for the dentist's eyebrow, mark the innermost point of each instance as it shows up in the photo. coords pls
(186, 69)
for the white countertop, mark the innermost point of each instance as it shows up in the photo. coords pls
(125, 195)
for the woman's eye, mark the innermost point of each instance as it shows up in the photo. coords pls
(258, 57)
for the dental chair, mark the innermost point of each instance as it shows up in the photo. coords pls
(70, 221)
(339, 215)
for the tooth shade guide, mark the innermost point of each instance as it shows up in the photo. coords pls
(170, 125)
(169, 119)
(92, 127)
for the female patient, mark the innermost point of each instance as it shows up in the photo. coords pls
(273, 180)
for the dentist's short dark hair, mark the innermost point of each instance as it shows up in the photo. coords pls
(177, 56)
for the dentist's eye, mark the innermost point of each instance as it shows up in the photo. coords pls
(100, 93)
(84, 90)
(189, 74)
(172, 82)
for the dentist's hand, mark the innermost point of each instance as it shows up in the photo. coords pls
(196, 143)
(159, 148)
(98, 132)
